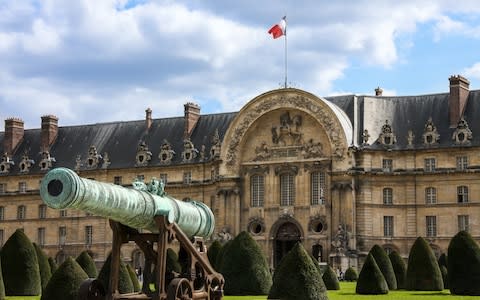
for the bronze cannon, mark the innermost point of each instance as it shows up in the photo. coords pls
(146, 206)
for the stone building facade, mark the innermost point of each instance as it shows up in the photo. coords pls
(338, 174)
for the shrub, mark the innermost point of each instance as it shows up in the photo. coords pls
(330, 279)
(423, 273)
(133, 277)
(125, 284)
(53, 265)
(297, 277)
(43, 266)
(444, 272)
(350, 274)
(212, 253)
(464, 265)
(88, 265)
(385, 265)
(20, 266)
(245, 267)
(371, 280)
(399, 268)
(443, 260)
(65, 282)
(221, 254)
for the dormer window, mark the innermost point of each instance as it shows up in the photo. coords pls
(166, 152)
(430, 134)
(25, 164)
(94, 158)
(189, 153)
(143, 155)
(5, 164)
(47, 161)
(387, 137)
(462, 134)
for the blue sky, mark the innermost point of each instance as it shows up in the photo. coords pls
(108, 60)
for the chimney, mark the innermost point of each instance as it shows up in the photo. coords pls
(457, 101)
(49, 132)
(148, 118)
(13, 134)
(192, 113)
(378, 91)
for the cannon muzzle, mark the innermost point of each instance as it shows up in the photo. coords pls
(62, 188)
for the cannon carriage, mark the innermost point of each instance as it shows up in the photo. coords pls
(146, 206)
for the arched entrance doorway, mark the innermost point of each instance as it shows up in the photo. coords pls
(288, 234)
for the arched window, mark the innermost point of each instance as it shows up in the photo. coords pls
(388, 196)
(318, 188)
(257, 190)
(430, 195)
(287, 189)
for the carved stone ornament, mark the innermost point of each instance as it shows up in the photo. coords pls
(143, 155)
(257, 170)
(410, 138)
(189, 152)
(262, 152)
(202, 153)
(341, 239)
(312, 149)
(5, 164)
(47, 161)
(166, 153)
(93, 159)
(317, 109)
(289, 131)
(286, 168)
(430, 135)
(216, 146)
(25, 164)
(365, 137)
(317, 224)
(256, 226)
(462, 135)
(387, 137)
(78, 163)
(106, 160)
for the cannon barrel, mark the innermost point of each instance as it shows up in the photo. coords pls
(62, 188)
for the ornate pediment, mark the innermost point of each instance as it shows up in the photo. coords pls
(6, 164)
(189, 152)
(166, 153)
(462, 134)
(25, 164)
(93, 159)
(430, 135)
(143, 154)
(387, 137)
(46, 163)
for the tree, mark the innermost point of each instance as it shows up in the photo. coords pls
(125, 284)
(213, 252)
(43, 266)
(350, 274)
(297, 277)
(423, 272)
(65, 282)
(20, 266)
(464, 265)
(385, 265)
(371, 280)
(245, 267)
(88, 265)
(330, 279)
(399, 268)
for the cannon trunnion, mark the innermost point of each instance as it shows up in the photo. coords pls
(172, 223)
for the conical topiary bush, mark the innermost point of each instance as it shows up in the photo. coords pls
(43, 265)
(350, 274)
(221, 255)
(423, 273)
(20, 266)
(134, 278)
(385, 265)
(2, 286)
(53, 265)
(399, 268)
(212, 253)
(443, 260)
(444, 272)
(464, 265)
(297, 277)
(125, 284)
(330, 279)
(245, 267)
(370, 280)
(65, 282)
(88, 265)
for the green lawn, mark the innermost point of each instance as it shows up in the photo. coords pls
(347, 292)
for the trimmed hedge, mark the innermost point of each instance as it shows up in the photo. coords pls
(350, 274)
(245, 267)
(385, 265)
(297, 277)
(330, 279)
(20, 266)
(43, 266)
(423, 272)
(88, 265)
(399, 268)
(125, 284)
(65, 282)
(371, 280)
(53, 265)
(134, 278)
(464, 265)
(213, 252)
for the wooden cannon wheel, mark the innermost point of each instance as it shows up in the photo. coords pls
(179, 289)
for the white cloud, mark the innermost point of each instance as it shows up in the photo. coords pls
(473, 71)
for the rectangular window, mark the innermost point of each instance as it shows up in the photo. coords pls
(117, 180)
(42, 211)
(318, 186)
(388, 226)
(21, 212)
(187, 177)
(388, 196)
(430, 164)
(462, 163)
(287, 189)
(22, 187)
(462, 194)
(430, 195)
(3, 188)
(63, 213)
(62, 235)
(257, 183)
(88, 235)
(431, 222)
(2, 233)
(41, 236)
(164, 177)
(463, 222)
(387, 165)
(2, 213)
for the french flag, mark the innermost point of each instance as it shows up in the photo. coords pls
(279, 29)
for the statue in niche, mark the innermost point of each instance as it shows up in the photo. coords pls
(410, 138)
(365, 137)
(262, 152)
(340, 241)
(224, 235)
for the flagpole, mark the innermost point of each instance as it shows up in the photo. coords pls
(285, 52)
